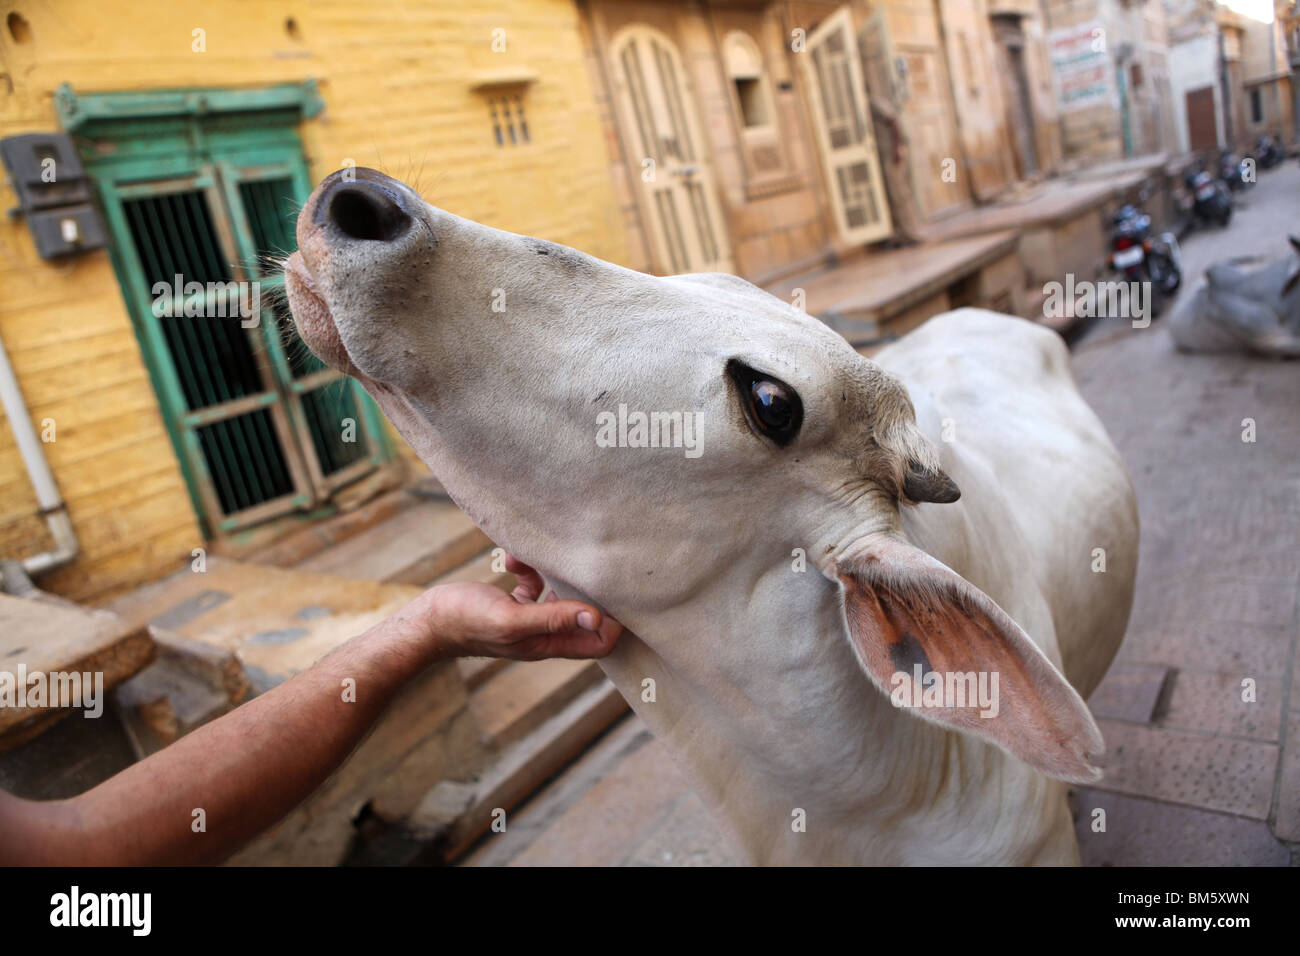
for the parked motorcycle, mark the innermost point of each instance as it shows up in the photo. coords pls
(1211, 201)
(1268, 153)
(1237, 173)
(1142, 257)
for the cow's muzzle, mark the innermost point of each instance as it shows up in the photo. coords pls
(356, 227)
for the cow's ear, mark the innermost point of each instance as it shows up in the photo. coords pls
(904, 609)
(1295, 243)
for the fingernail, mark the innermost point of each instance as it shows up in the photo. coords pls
(586, 620)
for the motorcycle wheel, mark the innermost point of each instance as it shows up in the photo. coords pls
(1157, 300)
(1164, 274)
(1147, 273)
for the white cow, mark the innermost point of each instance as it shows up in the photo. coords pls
(495, 355)
(1235, 309)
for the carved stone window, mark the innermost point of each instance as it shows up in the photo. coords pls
(756, 115)
(748, 78)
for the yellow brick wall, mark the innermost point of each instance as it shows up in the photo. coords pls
(395, 78)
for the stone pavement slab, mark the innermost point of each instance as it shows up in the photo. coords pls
(1177, 597)
(1130, 692)
(1198, 770)
(1148, 833)
(688, 836)
(1213, 703)
(1287, 823)
(606, 826)
(1209, 646)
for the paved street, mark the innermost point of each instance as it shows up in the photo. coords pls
(1195, 774)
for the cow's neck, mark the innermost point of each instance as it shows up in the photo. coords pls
(766, 709)
(760, 699)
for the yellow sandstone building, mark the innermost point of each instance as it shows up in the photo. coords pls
(776, 139)
(201, 125)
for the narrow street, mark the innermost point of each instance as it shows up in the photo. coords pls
(1195, 775)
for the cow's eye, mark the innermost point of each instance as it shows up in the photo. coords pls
(772, 407)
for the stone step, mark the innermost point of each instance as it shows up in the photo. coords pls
(476, 671)
(557, 796)
(415, 546)
(46, 634)
(291, 538)
(622, 803)
(188, 685)
(277, 622)
(305, 542)
(1034, 299)
(454, 814)
(520, 696)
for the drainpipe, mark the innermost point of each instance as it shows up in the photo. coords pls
(1122, 58)
(1273, 33)
(53, 509)
(1225, 87)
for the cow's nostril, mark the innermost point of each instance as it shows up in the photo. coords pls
(365, 211)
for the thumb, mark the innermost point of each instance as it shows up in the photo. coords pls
(552, 617)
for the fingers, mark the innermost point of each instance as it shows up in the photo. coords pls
(530, 586)
(574, 629)
(550, 617)
(560, 628)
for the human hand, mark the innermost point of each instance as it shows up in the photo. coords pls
(469, 619)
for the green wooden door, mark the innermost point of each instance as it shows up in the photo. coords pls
(261, 425)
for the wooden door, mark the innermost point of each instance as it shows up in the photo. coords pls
(669, 155)
(841, 115)
(1202, 129)
(1009, 35)
(912, 80)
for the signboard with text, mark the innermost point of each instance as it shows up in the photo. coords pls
(1081, 66)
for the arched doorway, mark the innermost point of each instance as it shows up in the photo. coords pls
(668, 154)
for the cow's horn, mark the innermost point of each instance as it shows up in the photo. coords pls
(924, 484)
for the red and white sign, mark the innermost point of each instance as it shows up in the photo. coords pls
(1081, 66)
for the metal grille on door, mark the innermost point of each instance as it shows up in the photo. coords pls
(262, 426)
(271, 212)
(174, 235)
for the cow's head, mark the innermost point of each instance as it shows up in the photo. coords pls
(519, 369)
